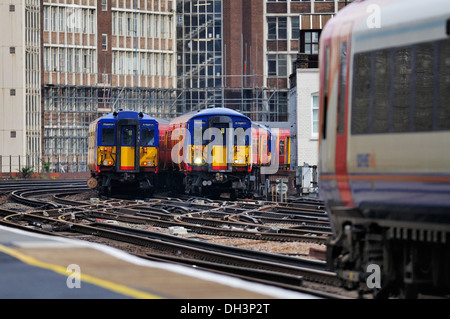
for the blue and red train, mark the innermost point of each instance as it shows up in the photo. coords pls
(209, 152)
(123, 149)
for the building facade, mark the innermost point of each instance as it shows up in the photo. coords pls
(67, 62)
(240, 53)
(100, 55)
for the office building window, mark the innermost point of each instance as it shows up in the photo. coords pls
(104, 42)
(277, 27)
(277, 65)
(295, 27)
(309, 41)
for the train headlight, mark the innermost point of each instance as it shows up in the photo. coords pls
(105, 163)
(198, 160)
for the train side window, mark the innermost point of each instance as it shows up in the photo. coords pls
(342, 87)
(424, 87)
(108, 136)
(443, 109)
(361, 93)
(240, 139)
(402, 89)
(381, 91)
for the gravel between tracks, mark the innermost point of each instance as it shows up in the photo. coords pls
(300, 249)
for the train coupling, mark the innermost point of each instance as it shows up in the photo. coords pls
(219, 177)
(127, 178)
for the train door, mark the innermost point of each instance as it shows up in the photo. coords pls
(265, 145)
(221, 154)
(220, 148)
(342, 132)
(128, 148)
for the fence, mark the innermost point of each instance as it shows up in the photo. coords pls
(37, 164)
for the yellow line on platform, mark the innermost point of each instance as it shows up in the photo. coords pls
(86, 278)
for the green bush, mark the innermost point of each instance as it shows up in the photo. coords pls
(27, 172)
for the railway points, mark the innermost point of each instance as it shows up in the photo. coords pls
(140, 230)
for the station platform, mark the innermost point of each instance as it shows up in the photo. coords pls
(35, 266)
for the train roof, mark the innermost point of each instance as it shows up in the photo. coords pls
(389, 23)
(126, 115)
(207, 112)
(257, 124)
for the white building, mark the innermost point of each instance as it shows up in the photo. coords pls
(20, 98)
(304, 99)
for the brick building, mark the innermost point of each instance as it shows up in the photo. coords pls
(240, 53)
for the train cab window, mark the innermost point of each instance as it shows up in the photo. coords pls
(281, 147)
(199, 133)
(128, 136)
(147, 137)
(108, 136)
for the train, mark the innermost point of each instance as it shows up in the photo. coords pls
(123, 148)
(210, 152)
(384, 146)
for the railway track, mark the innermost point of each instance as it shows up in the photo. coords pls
(103, 221)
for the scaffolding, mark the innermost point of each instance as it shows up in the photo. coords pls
(258, 103)
(68, 111)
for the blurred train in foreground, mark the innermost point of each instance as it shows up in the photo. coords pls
(213, 151)
(385, 145)
(123, 149)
